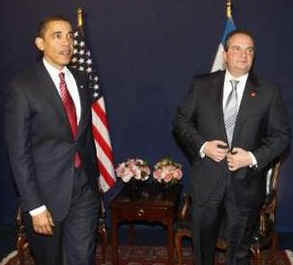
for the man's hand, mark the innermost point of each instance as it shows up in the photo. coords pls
(43, 223)
(238, 158)
(216, 150)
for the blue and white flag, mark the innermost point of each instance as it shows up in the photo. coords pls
(218, 63)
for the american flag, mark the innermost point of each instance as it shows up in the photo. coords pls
(82, 60)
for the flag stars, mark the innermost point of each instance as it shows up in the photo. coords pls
(81, 60)
(82, 44)
(89, 61)
(81, 52)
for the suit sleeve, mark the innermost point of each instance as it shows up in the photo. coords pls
(184, 125)
(277, 134)
(18, 119)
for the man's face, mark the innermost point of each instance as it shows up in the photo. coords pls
(56, 43)
(240, 54)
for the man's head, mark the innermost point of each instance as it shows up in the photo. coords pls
(239, 52)
(55, 40)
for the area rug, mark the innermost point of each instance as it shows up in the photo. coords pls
(156, 255)
(147, 255)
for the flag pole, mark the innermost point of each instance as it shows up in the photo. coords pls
(79, 18)
(102, 205)
(229, 9)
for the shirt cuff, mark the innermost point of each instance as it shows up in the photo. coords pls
(38, 210)
(201, 153)
(254, 161)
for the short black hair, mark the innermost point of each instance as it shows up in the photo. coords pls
(234, 32)
(44, 23)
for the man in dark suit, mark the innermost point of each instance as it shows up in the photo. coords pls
(52, 153)
(232, 125)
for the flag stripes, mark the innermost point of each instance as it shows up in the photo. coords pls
(102, 141)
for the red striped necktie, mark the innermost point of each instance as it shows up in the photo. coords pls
(70, 113)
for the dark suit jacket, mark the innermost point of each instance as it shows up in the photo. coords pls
(261, 127)
(40, 143)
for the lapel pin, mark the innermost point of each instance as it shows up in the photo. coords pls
(252, 93)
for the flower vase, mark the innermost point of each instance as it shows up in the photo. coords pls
(135, 189)
(157, 188)
(169, 189)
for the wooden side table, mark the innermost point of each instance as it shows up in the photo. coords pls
(159, 208)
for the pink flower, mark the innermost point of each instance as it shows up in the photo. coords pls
(124, 172)
(178, 174)
(167, 176)
(167, 171)
(157, 175)
(133, 168)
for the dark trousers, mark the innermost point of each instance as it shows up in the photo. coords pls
(74, 238)
(240, 223)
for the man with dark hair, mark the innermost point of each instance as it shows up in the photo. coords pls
(52, 153)
(232, 125)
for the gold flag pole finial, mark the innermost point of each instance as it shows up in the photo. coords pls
(229, 9)
(79, 17)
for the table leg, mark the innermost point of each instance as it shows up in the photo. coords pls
(115, 254)
(131, 234)
(170, 243)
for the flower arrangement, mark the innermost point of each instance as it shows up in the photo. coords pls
(167, 171)
(133, 168)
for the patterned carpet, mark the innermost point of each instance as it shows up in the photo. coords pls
(147, 255)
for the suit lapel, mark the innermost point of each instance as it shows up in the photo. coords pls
(51, 94)
(247, 104)
(84, 101)
(219, 85)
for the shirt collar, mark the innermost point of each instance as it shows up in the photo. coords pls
(53, 71)
(242, 79)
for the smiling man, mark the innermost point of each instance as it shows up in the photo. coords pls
(232, 125)
(52, 153)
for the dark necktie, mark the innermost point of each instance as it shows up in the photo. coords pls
(70, 113)
(231, 110)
